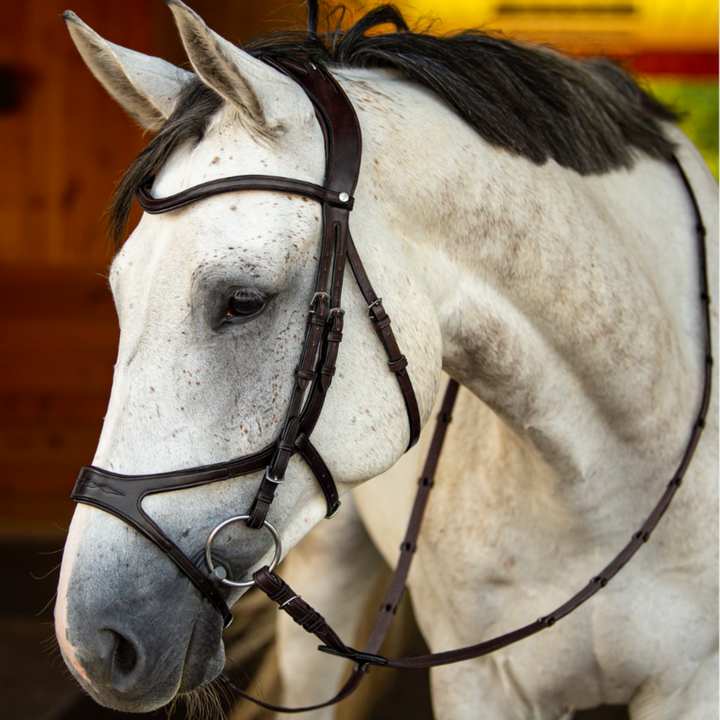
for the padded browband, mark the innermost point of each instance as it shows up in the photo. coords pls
(122, 495)
(155, 206)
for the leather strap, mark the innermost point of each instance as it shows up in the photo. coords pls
(357, 675)
(342, 132)
(381, 322)
(408, 546)
(156, 206)
(280, 592)
(313, 458)
(338, 119)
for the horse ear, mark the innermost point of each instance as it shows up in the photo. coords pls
(261, 94)
(146, 87)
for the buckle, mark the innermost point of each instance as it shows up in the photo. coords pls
(315, 297)
(276, 481)
(334, 511)
(360, 658)
(372, 305)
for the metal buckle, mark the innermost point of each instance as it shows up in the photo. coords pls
(276, 481)
(372, 305)
(287, 602)
(335, 310)
(334, 512)
(359, 657)
(315, 297)
(219, 575)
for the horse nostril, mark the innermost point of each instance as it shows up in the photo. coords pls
(125, 655)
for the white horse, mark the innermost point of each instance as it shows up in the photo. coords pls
(543, 254)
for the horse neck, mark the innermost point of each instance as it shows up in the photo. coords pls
(566, 304)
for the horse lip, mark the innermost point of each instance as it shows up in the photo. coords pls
(205, 653)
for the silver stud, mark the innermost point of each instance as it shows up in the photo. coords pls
(344, 197)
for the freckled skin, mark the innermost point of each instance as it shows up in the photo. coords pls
(566, 306)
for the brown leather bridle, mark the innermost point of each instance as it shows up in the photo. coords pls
(122, 495)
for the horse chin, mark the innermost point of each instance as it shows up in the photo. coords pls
(205, 655)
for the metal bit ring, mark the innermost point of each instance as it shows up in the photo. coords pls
(238, 518)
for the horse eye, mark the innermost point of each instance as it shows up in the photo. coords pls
(244, 304)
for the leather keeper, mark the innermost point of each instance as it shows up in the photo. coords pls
(264, 497)
(314, 624)
(301, 374)
(398, 365)
(258, 511)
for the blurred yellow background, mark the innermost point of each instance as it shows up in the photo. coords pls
(615, 26)
(671, 45)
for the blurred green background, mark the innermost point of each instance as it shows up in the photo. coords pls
(697, 103)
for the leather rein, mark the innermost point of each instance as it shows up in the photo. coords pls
(122, 495)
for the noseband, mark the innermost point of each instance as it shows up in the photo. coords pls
(122, 495)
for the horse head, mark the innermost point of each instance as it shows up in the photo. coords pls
(213, 302)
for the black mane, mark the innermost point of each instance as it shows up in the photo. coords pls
(588, 116)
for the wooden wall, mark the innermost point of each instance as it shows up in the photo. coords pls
(64, 144)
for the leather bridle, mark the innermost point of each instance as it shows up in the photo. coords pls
(122, 495)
